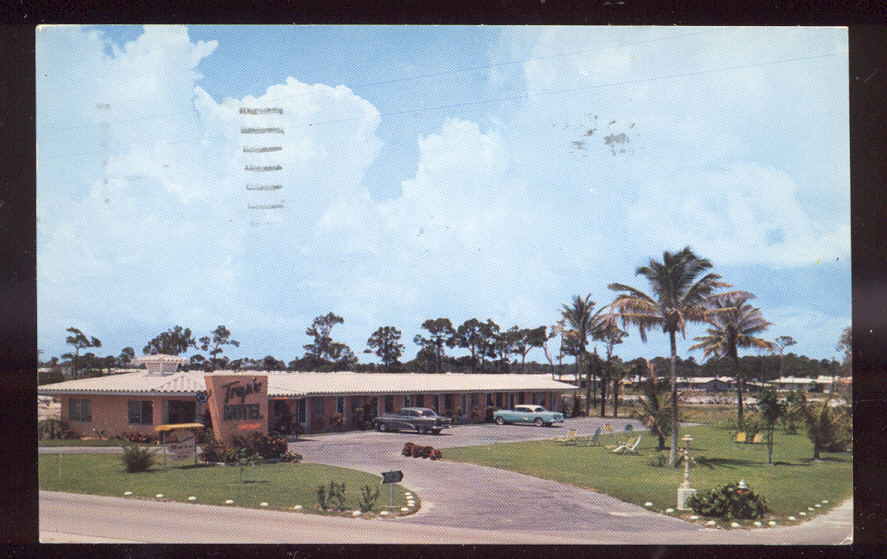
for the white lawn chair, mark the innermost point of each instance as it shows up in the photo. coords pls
(626, 448)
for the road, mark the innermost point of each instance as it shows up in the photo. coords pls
(462, 503)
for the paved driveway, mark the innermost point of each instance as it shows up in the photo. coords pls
(471, 496)
(480, 504)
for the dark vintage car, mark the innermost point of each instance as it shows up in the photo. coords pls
(421, 420)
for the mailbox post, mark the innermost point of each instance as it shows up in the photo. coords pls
(390, 478)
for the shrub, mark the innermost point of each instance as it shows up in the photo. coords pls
(475, 413)
(137, 437)
(337, 420)
(659, 460)
(291, 457)
(332, 497)
(218, 451)
(264, 445)
(368, 496)
(321, 498)
(488, 413)
(51, 428)
(419, 451)
(729, 502)
(137, 458)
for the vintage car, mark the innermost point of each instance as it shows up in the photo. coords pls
(421, 420)
(528, 414)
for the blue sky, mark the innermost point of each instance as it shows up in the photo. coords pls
(489, 172)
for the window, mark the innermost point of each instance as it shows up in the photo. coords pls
(389, 403)
(435, 403)
(474, 400)
(420, 400)
(300, 407)
(340, 405)
(511, 401)
(79, 409)
(318, 406)
(463, 403)
(448, 402)
(520, 397)
(141, 412)
(277, 407)
(184, 412)
(406, 401)
(489, 400)
(355, 402)
(542, 398)
(498, 399)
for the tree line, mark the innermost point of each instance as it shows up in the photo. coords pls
(683, 290)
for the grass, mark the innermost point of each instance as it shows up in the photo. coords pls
(281, 485)
(790, 486)
(87, 442)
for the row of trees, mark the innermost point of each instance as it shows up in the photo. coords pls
(683, 290)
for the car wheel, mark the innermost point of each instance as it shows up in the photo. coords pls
(436, 431)
(500, 421)
(383, 427)
(421, 430)
(539, 422)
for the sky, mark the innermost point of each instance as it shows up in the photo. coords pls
(459, 172)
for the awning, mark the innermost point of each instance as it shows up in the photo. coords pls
(174, 426)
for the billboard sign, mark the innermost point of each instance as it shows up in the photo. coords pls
(238, 404)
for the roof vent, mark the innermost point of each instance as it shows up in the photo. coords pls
(160, 364)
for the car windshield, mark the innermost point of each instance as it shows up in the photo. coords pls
(427, 413)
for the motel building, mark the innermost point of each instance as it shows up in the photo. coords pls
(261, 400)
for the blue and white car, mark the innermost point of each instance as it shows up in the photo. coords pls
(528, 414)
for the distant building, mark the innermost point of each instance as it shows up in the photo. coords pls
(708, 384)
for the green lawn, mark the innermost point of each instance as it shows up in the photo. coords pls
(792, 485)
(86, 442)
(281, 485)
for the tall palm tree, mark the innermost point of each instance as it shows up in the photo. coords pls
(605, 328)
(733, 327)
(677, 297)
(578, 316)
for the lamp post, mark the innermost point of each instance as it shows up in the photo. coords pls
(684, 490)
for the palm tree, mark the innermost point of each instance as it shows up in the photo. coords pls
(605, 328)
(578, 316)
(678, 297)
(732, 327)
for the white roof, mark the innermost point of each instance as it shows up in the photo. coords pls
(795, 380)
(159, 358)
(130, 383)
(703, 380)
(309, 384)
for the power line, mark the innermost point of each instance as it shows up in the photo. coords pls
(528, 94)
(267, 111)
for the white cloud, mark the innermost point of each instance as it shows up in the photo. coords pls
(162, 224)
(741, 214)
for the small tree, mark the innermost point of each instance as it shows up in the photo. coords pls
(79, 340)
(385, 343)
(220, 336)
(828, 428)
(656, 409)
(771, 409)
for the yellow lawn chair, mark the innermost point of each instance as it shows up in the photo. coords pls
(758, 439)
(740, 437)
(628, 449)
